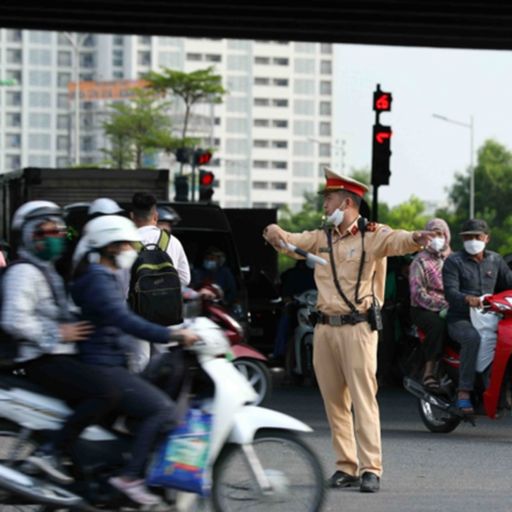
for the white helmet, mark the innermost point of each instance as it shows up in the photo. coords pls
(109, 229)
(104, 206)
(35, 210)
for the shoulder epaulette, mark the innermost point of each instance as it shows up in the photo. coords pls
(371, 227)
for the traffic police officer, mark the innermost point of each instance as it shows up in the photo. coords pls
(345, 343)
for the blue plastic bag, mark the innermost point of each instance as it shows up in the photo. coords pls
(181, 462)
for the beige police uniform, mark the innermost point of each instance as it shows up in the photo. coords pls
(345, 357)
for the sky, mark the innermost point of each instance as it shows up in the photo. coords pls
(426, 152)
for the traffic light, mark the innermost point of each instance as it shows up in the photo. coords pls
(206, 179)
(183, 155)
(181, 188)
(202, 157)
(382, 100)
(381, 153)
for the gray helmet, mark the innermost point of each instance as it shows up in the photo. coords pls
(168, 214)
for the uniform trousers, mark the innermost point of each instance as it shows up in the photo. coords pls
(345, 362)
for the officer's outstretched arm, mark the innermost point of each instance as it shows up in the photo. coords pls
(307, 240)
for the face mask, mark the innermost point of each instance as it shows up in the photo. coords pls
(125, 259)
(209, 264)
(437, 243)
(474, 246)
(52, 248)
(336, 217)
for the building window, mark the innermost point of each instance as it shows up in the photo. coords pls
(119, 75)
(144, 40)
(325, 48)
(279, 103)
(259, 143)
(302, 86)
(325, 87)
(280, 61)
(304, 107)
(279, 185)
(325, 108)
(40, 78)
(87, 60)
(324, 150)
(279, 144)
(13, 161)
(87, 143)
(280, 82)
(64, 58)
(299, 189)
(14, 56)
(63, 79)
(325, 129)
(238, 63)
(117, 57)
(260, 185)
(62, 161)
(86, 77)
(217, 121)
(261, 102)
(144, 58)
(303, 169)
(306, 66)
(213, 58)
(306, 128)
(118, 40)
(12, 140)
(13, 98)
(260, 164)
(90, 40)
(237, 83)
(303, 148)
(261, 60)
(279, 165)
(261, 81)
(62, 122)
(40, 36)
(169, 59)
(326, 67)
(14, 74)
(305, 47)
(13, 120)
(37, 120)
(236, 124)
(261, 123)
(39, 141)
(62, 100)
(236, 146)
(39, 99)
(236, 104)
(194, 57)
(62, 142)
(35, 160)
(13, 36)
(279, 123)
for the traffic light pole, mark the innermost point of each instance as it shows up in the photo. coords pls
(375, 203)
(193, 184)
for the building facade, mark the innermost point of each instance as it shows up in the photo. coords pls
(272, 134)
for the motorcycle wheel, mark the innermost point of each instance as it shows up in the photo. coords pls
(290, 465)
(258, 376)
(437, 420)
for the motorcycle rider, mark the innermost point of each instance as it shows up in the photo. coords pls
(36, 311)
(467, 275)
(96, 290)
(167, 218)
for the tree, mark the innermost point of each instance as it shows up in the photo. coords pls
(409, 215)
(135, 128)
(493, 193)
(202, 85)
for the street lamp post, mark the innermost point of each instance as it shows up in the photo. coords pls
(76, 41)
(470, 126)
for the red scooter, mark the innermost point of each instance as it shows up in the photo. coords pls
(492, 393)
(247, 360)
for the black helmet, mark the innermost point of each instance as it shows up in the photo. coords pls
(168, 214)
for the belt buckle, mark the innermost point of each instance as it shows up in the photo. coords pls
(335, 321)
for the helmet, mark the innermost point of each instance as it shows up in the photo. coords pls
(168, 214)
(104, 206)
(103, 231)
(35, 210)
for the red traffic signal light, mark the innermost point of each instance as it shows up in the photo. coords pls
(206, 179)
(382, 100)
(381, 147)
(202, 157)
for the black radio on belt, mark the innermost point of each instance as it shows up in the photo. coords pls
(375, 317)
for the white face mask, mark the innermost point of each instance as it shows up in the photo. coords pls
(125, 259)
(474, 246)
(336, 217)
(437, 243)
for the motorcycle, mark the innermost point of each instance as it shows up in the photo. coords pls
(256, 458)
(492, 394)
(299, 354)
(251, 363)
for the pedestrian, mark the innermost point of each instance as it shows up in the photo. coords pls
(467, 275)
(345, 339)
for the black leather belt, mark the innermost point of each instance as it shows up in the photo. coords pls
(339, 320)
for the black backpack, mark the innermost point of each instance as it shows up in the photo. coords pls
(9, 344)
(155, 287)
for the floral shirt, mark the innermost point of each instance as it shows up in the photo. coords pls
(426, 281)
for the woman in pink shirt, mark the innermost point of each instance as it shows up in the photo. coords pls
(428, 304)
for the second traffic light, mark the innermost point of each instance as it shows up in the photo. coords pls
(206, 179)
(202, 157)
(381, 153)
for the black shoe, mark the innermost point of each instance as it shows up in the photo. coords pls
(50, 464)
(340, 480)
(370, 482)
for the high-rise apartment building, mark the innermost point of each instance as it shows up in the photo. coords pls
(272, 133)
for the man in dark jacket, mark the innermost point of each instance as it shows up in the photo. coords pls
(467, 275)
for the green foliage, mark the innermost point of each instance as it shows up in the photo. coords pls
(202, 85)
(409, 215)
(493, 195)
(136, 128)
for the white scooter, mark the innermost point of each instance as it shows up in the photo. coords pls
(256, 459)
